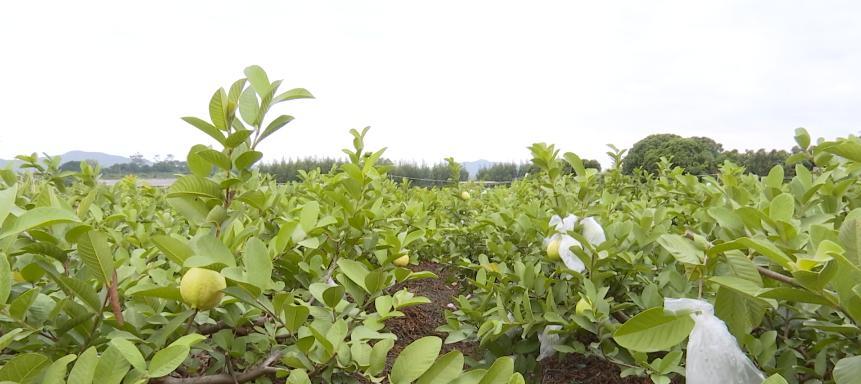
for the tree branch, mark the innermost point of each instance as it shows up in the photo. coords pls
(261, 369)
(777, 276)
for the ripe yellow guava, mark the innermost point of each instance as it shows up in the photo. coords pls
(464, 195)
(201, 288)
(402, 261)
(553, 249)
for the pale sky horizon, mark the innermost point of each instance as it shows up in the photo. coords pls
(468, 79)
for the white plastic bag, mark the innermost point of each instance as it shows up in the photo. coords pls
(548, 340)
(713, 356)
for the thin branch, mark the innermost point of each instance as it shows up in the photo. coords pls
(777, 276)
(264, 368)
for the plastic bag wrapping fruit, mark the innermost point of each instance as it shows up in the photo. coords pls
(713, 355)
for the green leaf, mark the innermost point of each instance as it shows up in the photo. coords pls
(444, 370)
(85, 368)
(237, 138)
(167, 360)
(298, 376)
(762, 246)
(575, 162)
(258, 79)
(847, 149)
(208, 251)
(206, 128)
(802, 138)
(654, 330)
(295, 93)
(175, 250)
(7, 201)
(415, 360)
(354, 270)
(682, 249)
(218, 109)
(5, 279)
(258, 264)
(333, 295)
(850, 240)
(9, 337)
(196, 164)
(379, 352)
(40, 217)
(130, 352)
(249, 108)
(18, 308)
(24, 368)
(112, 367)
(295, 316)
(247, 159)
(194, 186)
(308, 216)
(782, 207)
(56, 372)
(274, 126)
(500, 372)
(775, 379)
(216, 158)
(848, 370)
(94, 250)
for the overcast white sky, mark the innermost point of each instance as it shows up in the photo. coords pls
(469, 79)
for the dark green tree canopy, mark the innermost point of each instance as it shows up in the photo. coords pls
(698, 155)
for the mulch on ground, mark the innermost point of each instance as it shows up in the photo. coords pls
(422, 320)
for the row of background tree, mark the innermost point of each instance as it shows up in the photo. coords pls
(698, 155)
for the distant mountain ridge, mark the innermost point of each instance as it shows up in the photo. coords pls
(104, 159)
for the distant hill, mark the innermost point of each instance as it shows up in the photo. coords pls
(104, 159)
(474, 166)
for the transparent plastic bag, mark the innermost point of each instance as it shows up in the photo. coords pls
(713, 355)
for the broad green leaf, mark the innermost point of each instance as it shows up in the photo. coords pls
(295, 316)
(196, 164)
(249, 106)
(5, 279)
(274, 126)
(206, 128)
(470, 377)
(295, 93)
(848, 370)
(333, 295)
(247, 159)
(847, 149)
(762, 246)
(258, 264)
(237, 138)
(378, 356)
(84, 369)
(194, 186)
(682, 249)
(802, 138)
(258, 79)
(444, 370)
(298, 376)
(215, 158)
(500, 372)
(94, 250)
(9, 337)
(653, 330)
(167, 360)
(175, 250)
(218, 109)
(7, 201)
(56, 372)
(209, 250)
(850, 239)
(415, 360)
(40, 217)
(24, 368)
(18, 308)
(782, 207)
(112, 367)
(354, 270)
(130, 352)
